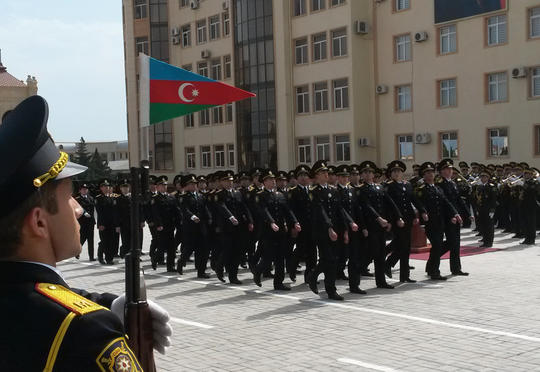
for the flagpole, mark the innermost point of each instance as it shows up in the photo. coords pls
(144, 105)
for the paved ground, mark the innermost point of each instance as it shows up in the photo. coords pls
(489, 321)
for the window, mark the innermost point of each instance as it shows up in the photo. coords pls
(497, 87)
(163, 146)
(230, 151)
(405, 147)
(301, 51)
(204, 117)
(339, 43)
(498, 142)
(323, 147)
(400, 5)
(141, 45)
(320, 92)
(534, 22)
(447, 93)
(317, 5)
(535, 82)
(141, 9)
(217, 115)
(190, 158)
(496, 30)
(219, 156)
(403, 48)
(202, 69)
(304, 150)
(319, 47)
(226, 24)
(216, 69)
(228, 66)
(403, 98)
(229, 112)
(537, 140)
(184, 3)
(337, 2)
(186, 36)
(189, 121)
(206, 157)
(449, 145)
(215, 27)
(447, 39)
(188, 67)
(343, 148)
(201, 31)
(341, 94)
(299, 7)
(302, 100)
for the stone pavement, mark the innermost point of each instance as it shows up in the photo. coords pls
(489, 321)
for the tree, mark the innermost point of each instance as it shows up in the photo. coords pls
(82, 156)
(97, 168)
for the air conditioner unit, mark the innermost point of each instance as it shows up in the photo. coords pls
(420, 36)
(226, 4)
(175, 40)
(519, 72)
(363, 141)
(423, 138)
(205, 54)
(175, 31)
(194, 4)
(361, 27)
(381, 89)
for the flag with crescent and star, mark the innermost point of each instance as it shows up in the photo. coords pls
(167, 92)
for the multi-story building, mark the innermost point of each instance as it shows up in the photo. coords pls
(13, 90)
(343, 80)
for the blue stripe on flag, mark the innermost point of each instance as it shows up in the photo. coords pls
(163, 71)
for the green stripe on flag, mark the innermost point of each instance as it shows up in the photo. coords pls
(164, 111)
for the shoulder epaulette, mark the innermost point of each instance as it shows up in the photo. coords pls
(422, 186)
(174, 193)
(389, 182)
(293, 188)
(68, 299)
(313, 187)
(251, 187)
(260, 191)
(332, 187)
(99, 196)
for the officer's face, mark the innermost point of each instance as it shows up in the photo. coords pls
(190, 187)
(104, 189)
(368, 175)
(446, 172)
(303, 179)
(244, 182)
(343, 180)
(124, 190)
(84, 191)
(227, 184)
(527, 175)
(161, 187)
(63, 226)
(270, 183)
(397, 174)
(281, 183)
(322, 177)
(429, 176)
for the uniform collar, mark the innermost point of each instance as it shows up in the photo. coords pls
(25, 271)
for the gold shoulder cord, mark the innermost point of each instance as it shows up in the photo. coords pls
(54, 171)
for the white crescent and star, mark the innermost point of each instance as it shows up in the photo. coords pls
(181, 94)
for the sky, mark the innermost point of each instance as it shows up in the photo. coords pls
(75, 50)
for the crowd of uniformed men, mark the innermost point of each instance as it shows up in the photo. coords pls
(331, 218)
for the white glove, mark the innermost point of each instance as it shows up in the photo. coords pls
(87, 215)
(161, 326)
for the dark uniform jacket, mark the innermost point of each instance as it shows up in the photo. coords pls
(351, 203)
(433, 202)
(88, 204)
(273, 208)
(165, 211)
(123, 210)
(377, 204)
(529, 193)
(194, 204)
(231, 204)
(486, 197)
(403, 196)
(327, 211)
(300, 205)
(452, 193)
(46, 323)
(106, 213)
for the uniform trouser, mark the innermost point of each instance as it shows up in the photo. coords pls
(116, 243)
(530, 225)
(106, 244)
(230, 254)
(166, 245)
(452, 244)
(155, 253)
(178, 236)
(377, 248)
(289, 259)
(125, 233)
(87, 235)
(273, 249)
(305, 250)
(515, 216)
(327, 262)
(401, 249)
(246, 245)
(195, 242)
(342, 253)
(487, 228)
(435, 236)
(356, 245)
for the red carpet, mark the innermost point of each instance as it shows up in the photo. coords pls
(465, 251)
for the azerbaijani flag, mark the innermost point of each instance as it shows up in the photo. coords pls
(167, 91)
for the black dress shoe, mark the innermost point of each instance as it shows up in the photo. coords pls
(411, 267)
(527, 242)
(235, 281)
(92, 259)
(203, 276)
(101, 261)
(292, 277)
(243, 265)
(257, 278)
(367, 273)
(408, 280)
(220, 277)
(110, 263)
(460, 273)
(386, 286)
(77, 256)
(180, 268)
(312, 282)
(437, 277)
(282, 287)
(388, 271)
(357, 290)
(486, 245)
(517, 236)
(334, 296)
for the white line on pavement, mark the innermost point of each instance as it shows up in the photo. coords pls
(189, 322)
(374, 367)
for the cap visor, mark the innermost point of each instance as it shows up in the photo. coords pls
(70, 170)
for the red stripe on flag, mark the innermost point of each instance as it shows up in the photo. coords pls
(195, 92)
(503, 4)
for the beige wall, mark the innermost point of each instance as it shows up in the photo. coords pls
(473, 60)
(10, 97)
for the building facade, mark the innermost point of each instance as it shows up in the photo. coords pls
(13, 90)
(342, 80)
(116, 153)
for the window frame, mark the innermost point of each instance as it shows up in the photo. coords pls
(202, 28)
(531, 78)
(209, 152)
(307, 154)
(315, 92)
(226, 22)
(323, 145)
(440, 144)
(185, 30)
(304, 94)
(219, 111)
(296, 48)
(395, 45)
(337, 144)
(487, 86)
(216, 70)
(396, 98)
(215, 152)
(314, 49)
(529, 22)
(192, 155)
(334, 96)
(230, 151)
(536, 140)
(439, 89)
(395, 6)
(398, 147)
(302, 7)
(227, 67)
(207, 114)
(487, 27)
(189, 118)
(488, 133)
(214, 26)
(203, 69)
(440, 53)
(345, 45)
(322, 4)
(340, 3)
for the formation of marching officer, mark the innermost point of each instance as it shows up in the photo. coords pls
(337, 220)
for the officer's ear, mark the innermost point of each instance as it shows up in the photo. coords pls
(36, 225)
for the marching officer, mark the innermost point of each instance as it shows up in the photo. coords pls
(244, 181)
(165, 215)
(87, 220)
(529, 198)
(177, 195)
(486, 201)
(123, 216)
(196, 217)
(106, 213)
(147, 207)
(435, 211)
(276, 217)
